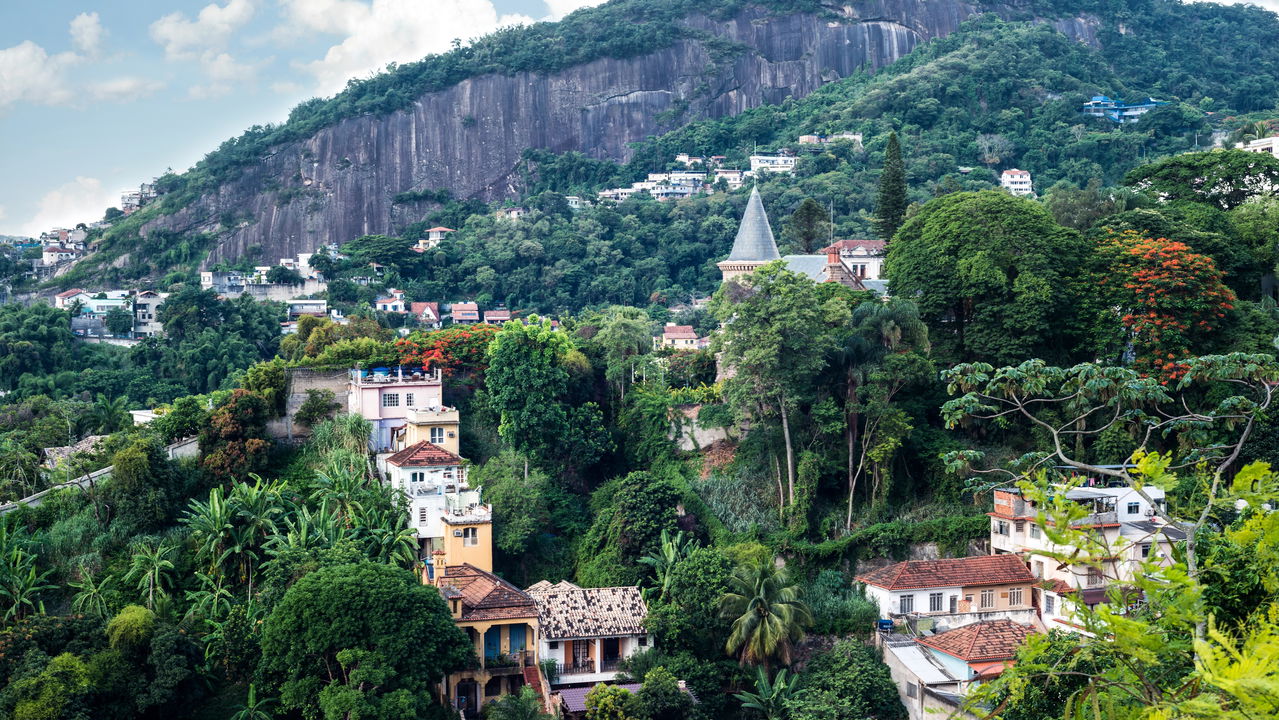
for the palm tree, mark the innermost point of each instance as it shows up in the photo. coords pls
(92, 598)
(770, 697)
(768, 616)
(107, 415)
(210, 524)
(21, 584)
(151, 569)
(253, 707)
(669, 554)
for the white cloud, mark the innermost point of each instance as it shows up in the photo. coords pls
(378, 32)
(29, 74)
(224, 72)
(560, 8)
(124, 88)
(87, 33)
(81, 200)
(211, 29)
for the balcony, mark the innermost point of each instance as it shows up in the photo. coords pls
(508, 663)
(433, 416)
(587, 667)
(393, 376)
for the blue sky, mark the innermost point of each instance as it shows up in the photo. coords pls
(96, 97)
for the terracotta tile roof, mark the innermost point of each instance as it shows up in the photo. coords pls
(69, 293)
(484, 595)
(420, 308)
(467, 310)
(565, 610)
(423, 454)
(440, 228)
(490, 315)
(1058, 586)
(952, 572)
(679, 332)
(992, 640)
(873, 246)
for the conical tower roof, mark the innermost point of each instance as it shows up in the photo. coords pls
(754, 242)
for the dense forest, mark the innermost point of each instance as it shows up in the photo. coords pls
(854, 429)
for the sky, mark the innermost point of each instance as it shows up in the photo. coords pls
(97, 97)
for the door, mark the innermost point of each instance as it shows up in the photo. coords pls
(610, 653)
(581, 654)
(517, 634)
(492, 643)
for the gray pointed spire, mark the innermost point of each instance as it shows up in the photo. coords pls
(754, 242)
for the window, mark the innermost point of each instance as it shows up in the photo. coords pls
(1034, 531)
(555, 644)
(417, 477)
(421, 516)
(954, 604)
(934, 602)
(437, 436)
(643, 641)
(1050, 603)
(1094, 577)
(1015, 597)
(408, 399)
(1145, 551)
(1021, 526)
(1134, 508)
(1039, 568)
(987, 599)
(1001, 527)
(912, 690)
(391, 400)
(907, 604)
(470, 536)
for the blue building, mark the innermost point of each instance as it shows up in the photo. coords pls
(1117, 111)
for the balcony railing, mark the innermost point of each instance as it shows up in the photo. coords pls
(588, 667)
(509, 661)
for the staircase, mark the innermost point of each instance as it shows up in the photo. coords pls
(533, 678)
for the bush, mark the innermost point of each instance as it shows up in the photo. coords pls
(318, 406)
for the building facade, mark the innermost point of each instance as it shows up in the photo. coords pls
(954, 592)
(588, 632)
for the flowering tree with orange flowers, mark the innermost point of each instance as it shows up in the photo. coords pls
(1168, 298)
(455, 350)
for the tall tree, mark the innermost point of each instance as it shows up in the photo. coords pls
(890, 202)
(768, 616)
(778, 331)
(1223, 178)
(995, 278)
(810, 224)
(339, 622)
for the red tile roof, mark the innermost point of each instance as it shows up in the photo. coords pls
(874, 246)
(420, 308)
(440, 228)
(679, 332)
(497, 315)
(423, 454)
(1058, 586)
(992, 640)
(70, 293)
(484, 595)
(952, 572)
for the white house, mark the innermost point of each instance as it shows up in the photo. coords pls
(1016, 182)
(67, 298)
(393, 302)
(863, 259)
(589, 631)
(434, 236)
(1129, 530)
(433, 480)
(54, 254)
(954, 591)
(772, 163)
(1262, 145)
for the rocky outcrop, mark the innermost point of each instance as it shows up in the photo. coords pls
(341, 182)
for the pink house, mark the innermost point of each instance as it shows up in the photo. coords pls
(386, 397)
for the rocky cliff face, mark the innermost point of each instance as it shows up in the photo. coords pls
(341, 182)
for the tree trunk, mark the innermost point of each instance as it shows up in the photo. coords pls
(850, 435)
(790, 453)
(781, 491)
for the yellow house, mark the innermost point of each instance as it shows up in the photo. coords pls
(500, 619)
(438, 426)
